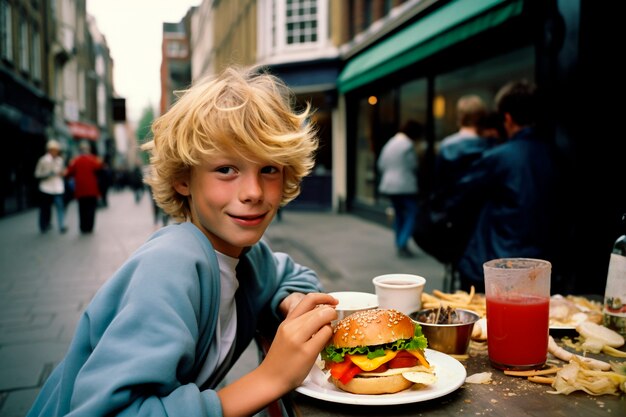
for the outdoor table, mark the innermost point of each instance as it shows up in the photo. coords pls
(504, 396)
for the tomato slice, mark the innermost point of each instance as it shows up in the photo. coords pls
(337, 369)
(403, 360)
(344, 371)
(352, 371)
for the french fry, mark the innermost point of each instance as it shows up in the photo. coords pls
(459, 299)
(552, 370)
(541, 379)
(471, 295)
(613, 352)
(427, 298)
(444, 296)
(453, 304)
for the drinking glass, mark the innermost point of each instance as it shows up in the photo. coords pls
(518, 307)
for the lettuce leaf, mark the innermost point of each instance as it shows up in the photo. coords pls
(418, 342)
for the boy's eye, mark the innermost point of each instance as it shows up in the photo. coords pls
(225, 170)
(269, 170)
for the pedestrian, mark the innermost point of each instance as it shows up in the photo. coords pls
(137, 182)
(446, 240)
(490, 127)
(49, 171)
(84, 169)
(398, 165)
(105, 180)
(458, 151)
(512, 186)
(162, 332)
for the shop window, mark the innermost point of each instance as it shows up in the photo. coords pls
(294, 25)
(24, 55)
(36, 55)
(484, 79)
(379, 117)
(6, 29)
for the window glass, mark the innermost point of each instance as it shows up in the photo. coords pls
(301, 21)
(6, 27)
(413, 101)
(36, 55)
(365, 161)
(24, 55)
(379, 118)
(176, 49)
(484, 79)
(380, 115)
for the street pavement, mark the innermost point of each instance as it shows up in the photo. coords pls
(47, 280)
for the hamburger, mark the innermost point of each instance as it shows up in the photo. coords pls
(379, 351)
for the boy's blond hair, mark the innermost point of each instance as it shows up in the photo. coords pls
(242, 111)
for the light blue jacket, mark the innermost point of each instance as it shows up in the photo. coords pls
(143, 339)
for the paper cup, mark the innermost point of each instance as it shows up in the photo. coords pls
(402, 292)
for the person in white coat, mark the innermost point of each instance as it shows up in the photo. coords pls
(49, 171)
(397, 164)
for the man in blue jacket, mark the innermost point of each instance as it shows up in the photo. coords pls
(513, 185)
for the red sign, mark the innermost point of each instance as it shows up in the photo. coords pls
(83, 130)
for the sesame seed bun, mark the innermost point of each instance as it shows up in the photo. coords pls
(372, 327)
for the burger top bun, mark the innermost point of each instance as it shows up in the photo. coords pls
(372, 327)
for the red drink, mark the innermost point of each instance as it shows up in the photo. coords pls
(517, 331)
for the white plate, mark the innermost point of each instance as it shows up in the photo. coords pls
(561, 327)
(450, 376)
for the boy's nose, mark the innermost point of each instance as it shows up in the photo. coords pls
(251, 189)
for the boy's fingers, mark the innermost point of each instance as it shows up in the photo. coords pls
(312, 300)
(308, 324)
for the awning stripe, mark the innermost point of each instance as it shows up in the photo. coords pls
(441, 29)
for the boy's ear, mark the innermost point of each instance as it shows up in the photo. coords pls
(182, 187)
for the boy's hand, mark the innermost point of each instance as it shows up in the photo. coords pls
(300, 338)
(290, 302)
(298, 341)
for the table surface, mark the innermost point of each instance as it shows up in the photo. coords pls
(504, 396)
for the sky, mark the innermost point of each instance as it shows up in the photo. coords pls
(133, 30)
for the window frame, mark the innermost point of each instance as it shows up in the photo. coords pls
(273, 30)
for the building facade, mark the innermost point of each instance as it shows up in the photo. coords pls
(55, 82)
(26, 107)
(176, 60)
(369, 65)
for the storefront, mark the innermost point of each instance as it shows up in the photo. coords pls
(458, 47)
(418, 73)
(25, 115)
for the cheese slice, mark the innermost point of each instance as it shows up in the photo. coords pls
(370, 364)
(420, 357)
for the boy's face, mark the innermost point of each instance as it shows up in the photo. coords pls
(233, 200)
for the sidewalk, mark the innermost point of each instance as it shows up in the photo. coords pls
(47, 280)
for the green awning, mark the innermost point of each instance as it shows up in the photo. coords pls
(452, 23)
